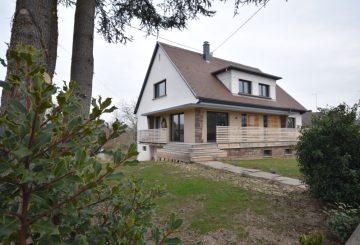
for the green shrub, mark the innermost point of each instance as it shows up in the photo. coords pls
(343, 220)
(53, 190)
(316, 238)
(329, 155)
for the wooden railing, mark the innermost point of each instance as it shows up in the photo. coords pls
(159, 136)
(234, 134)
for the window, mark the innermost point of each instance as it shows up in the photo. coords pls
(264, 90)
(288, 151)
(291, 122)
(267, 153)
(157, 122)
(243, 120)
(265, 121)
(160, 89)
(144, 147)
(244, 87)
(177, 127)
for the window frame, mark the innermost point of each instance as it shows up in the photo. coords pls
(261, 85)
(244, 120)
(265, 121)
(157, 89)
(157, 122)
(177, 131)
(241, 83)
(267, 153)
(293, 119)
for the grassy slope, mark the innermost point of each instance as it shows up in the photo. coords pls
(210, 205)
(285, 167)
(209, 201)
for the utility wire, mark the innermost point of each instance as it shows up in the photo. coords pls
(163, 38)
(241, 26)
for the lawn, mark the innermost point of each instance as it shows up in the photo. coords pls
(224, 208)
(285, 167)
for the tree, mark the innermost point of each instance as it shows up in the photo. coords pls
(52, 186)
(329, 155)
(125, 114)
(115, 16)
(82, 60)
(35, 23)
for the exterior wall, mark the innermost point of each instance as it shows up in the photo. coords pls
(233, 84)
(257, 153)
(199, 125)
(204, 128)
(189, 126)
(226, 79)
(144, 154)
(254, 119)
(298, 119)
(177, 92)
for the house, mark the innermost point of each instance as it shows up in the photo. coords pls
(307, 118)
(195, 107)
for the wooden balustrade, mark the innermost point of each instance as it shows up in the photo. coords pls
(235, 134)
(159, 136)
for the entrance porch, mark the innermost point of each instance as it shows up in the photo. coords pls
(197, 134)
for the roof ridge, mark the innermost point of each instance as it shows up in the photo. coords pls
(213, 57)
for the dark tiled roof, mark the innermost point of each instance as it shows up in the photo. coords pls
(308, 116)
(199, 75)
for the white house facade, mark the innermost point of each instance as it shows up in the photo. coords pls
(193, 107)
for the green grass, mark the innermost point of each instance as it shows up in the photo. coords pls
(208, 205)
(285, 167)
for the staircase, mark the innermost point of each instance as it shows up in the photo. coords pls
(185, 152)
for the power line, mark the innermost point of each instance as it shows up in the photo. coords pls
(241, 26)
(163, 38)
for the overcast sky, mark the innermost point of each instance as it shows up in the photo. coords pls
(313, 45)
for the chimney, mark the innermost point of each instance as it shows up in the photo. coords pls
(206, 51)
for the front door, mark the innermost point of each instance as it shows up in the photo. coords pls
(215, 119)
(177, 127)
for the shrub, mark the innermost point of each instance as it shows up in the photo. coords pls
(316, 238)
(52, 187)
(329, 155)
(343, 220)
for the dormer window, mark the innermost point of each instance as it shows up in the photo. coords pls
(264, 90)
(244, 87)
(160, 89)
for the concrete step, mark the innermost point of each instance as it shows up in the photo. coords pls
(215, 154)
(202, 159)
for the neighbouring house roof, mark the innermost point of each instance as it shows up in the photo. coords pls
(200, 76)
(307, 118)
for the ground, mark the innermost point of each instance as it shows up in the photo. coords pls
(225, 208)
(286, 167)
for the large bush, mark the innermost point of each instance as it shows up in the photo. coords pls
(329, 155)
(53, 189)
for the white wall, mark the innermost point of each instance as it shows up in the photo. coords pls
(225, 78)
(298, 118)
(231, 80)
(177, 93)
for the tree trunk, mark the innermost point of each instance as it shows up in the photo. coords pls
(82, 61)
(35, 23)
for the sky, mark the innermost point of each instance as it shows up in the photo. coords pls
(313, 45)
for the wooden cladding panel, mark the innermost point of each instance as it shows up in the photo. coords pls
(234, 134)
(274, 121)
